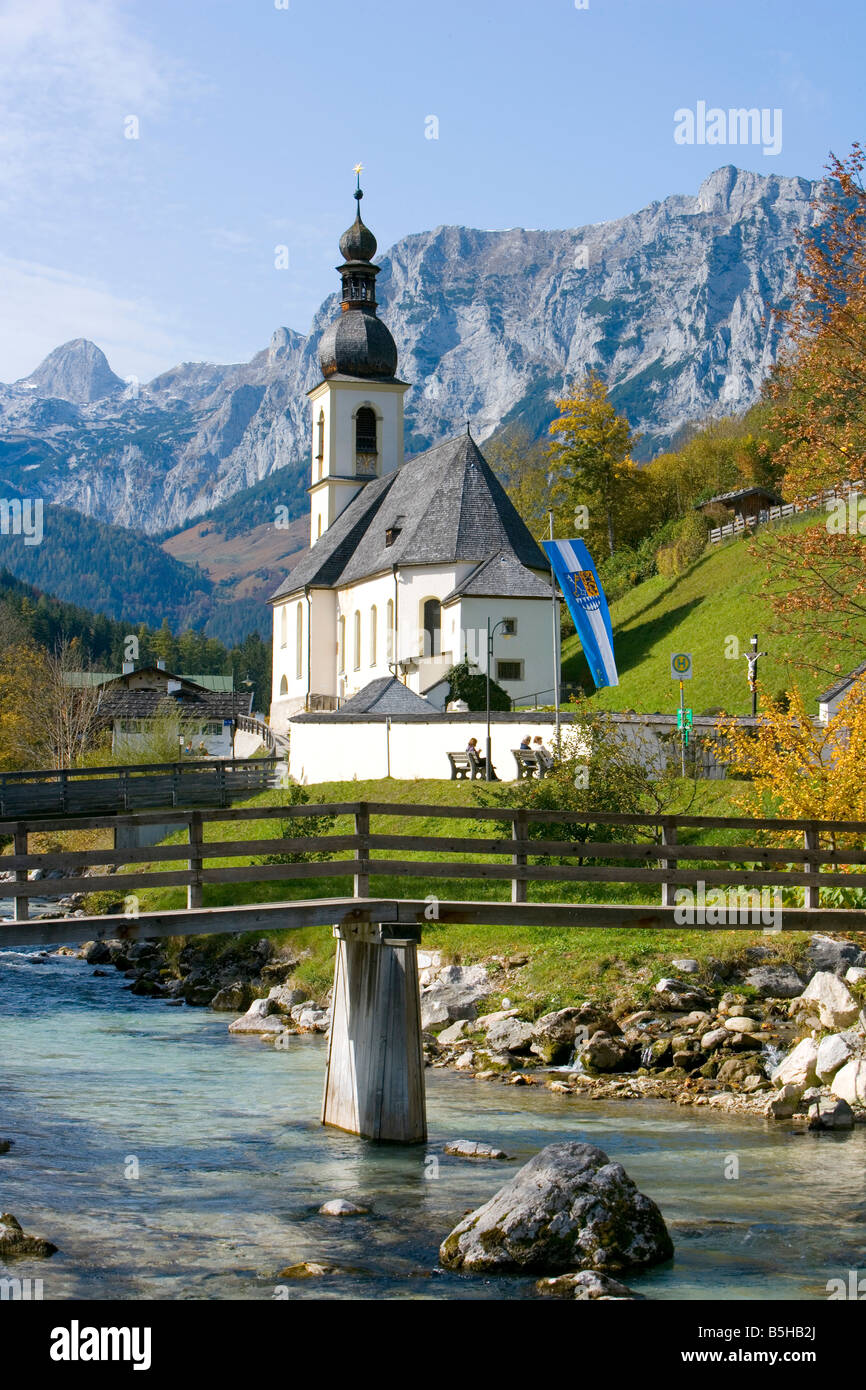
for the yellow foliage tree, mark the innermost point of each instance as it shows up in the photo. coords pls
(590, 457)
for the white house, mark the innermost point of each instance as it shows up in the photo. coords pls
(832, 700)
(408, 560)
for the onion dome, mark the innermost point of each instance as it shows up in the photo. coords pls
(358, 343)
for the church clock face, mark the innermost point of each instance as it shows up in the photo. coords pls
(365, 465)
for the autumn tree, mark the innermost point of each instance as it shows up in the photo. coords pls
(590, 458)
(49, 710)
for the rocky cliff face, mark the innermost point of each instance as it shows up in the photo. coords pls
(673, 305)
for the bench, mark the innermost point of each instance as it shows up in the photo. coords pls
(530, 763)
(465, 765)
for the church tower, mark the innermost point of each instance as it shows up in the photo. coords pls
(357, 408)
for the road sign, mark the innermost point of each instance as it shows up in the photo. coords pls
(684, 720)
(681, 666)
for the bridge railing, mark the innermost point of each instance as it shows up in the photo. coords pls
(797, 859)
(72, 791)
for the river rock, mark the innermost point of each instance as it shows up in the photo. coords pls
(453, 994)
(855, 974)
(305, 1269)
(837, 1007)
(831, 1112)
(740, 1023)
(603, 1053)
(511, 1035)
(568, 1208)
(833, 1053)
(799, 1068)
(285, 998)
(472, 1148)
(338, 1206)
(585, 1285)
(826, 954)
(232, 998)
(775, 981)
(785, 1103)
(260, 1017)
(96, 953)
(14, 1241)
(554, 1035)
(453, 1033)
(313, 1020)
(5, 1146)
(485, 1021)
(466, 1061)
(686, 966)
(849, 1083)
(714, 1038)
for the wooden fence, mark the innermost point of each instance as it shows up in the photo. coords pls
(662, 853)
(74, 791)
(810, 504)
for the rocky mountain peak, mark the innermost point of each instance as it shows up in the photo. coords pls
(77, 371)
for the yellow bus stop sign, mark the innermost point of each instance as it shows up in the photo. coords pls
(681, 666)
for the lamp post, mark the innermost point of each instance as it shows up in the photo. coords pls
(507, 628)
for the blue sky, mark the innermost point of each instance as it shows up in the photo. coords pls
(250, 117)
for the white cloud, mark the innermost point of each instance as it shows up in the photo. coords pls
(43, 307)
(69, 75)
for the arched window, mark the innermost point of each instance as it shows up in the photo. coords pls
(365, 431)
(284, 625)
(284, 686)
(374, 622)
(341, 643)
(299, 641)
(319, 527)
(432, 627)
(357, 661)
(389, 637)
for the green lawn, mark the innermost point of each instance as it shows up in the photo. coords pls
(717, 597)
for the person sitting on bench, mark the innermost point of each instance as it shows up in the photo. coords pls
(544, 756)
(472, 751)
(526, 741)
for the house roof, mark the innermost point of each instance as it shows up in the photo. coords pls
(501, 575)
(81, 679)
(119, 700)
(739, 494)
(386, 695)
(446, 506)
(842, 684)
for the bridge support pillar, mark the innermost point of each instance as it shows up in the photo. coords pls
(375, 1080)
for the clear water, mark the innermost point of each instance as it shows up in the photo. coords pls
(233, 1165)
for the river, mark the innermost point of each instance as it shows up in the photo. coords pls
(232, 1163)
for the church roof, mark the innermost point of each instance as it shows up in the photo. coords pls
(386, 695)
(445, 506)
(501, 576)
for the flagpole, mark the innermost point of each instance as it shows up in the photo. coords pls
(556, 671)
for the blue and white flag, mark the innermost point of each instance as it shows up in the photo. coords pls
(582, 591)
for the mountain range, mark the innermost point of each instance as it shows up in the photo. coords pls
(673, 304)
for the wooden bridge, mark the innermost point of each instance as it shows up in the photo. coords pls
(375, 1075)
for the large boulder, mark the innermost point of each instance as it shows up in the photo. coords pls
(260, 1017)
(775, 981)
(232, 998)
(799, 1068)
(554, 1035)
(603, 1053)
(509, 1035)
(836, 1005)
(833, 1052)
(453, 993)
(849, 1083)
(825, 953)
(568, 1208)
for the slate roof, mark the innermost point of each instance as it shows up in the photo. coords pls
(504, 575)
(386, 695)
(119, 701)
(739, 494)
(449, 507)
(842, 684)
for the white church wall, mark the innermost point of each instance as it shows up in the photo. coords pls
(532, 644)
(336, 751)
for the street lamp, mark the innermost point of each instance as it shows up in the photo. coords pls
(507, 625)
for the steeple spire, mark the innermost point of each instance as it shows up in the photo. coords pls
(358, 344)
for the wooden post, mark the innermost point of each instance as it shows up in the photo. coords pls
(22, 904)
(811, 896)
(374, 1085)
(519, 831)
(194, 890)
(362, 853)
(221, 782)
(669, 837)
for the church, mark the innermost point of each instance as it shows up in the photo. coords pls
(409, 559)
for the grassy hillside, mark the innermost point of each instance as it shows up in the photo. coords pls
(717, 597)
